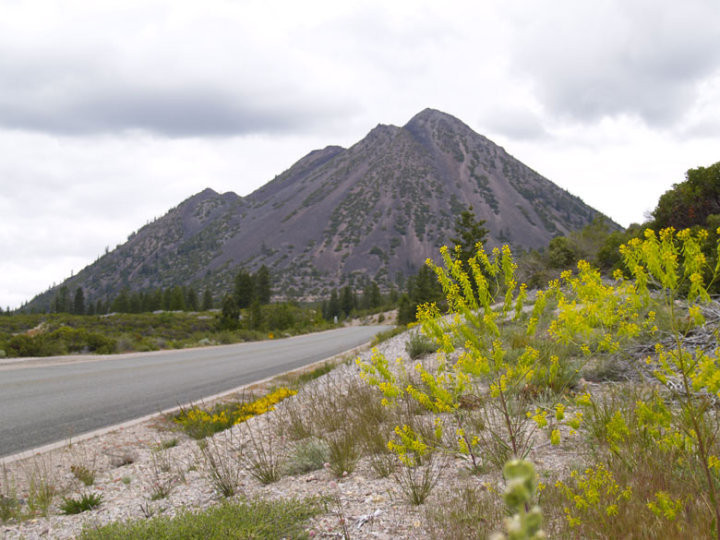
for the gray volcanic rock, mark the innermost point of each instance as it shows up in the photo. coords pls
(375, 210)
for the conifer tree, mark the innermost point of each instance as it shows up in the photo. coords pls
(333, 306)
(191, 300)
(207, 302)
(79, 302)
(347, 300)
(230, 313)
(177, 299)
(262, 285)
(244, 289)
(469, 231)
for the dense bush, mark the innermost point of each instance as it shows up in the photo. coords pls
(64, 340)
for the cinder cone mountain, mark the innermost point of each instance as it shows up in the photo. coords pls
(375, 210)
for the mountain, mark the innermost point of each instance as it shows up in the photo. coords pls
(375, 210)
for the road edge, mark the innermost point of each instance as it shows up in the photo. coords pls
(25, 454)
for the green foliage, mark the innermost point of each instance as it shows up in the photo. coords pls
(87, 501)
(230, 314)
(469, 234)
(315, 373)
(244, 289)
(63, 340)
(221, 465)
(348, 301)
(207, 302)
(387, 334)
(419, 345)
(79, 302)
(597, 243)
(84, 474)
(57, 334)
(690, 202)
(252, 287)
(423, 288)
(331, 308)
(9, 507)
(371, 296)
(309, 454)
(254, 519)
(262, 285)
(343, 451)
(561, 253)
(466, 512)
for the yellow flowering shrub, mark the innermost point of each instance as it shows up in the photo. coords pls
(593, 498)
(492, 349)
(199, 423)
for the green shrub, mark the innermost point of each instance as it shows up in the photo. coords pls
(88, 501)
(419, 345)
(255, 519)
(307, 455)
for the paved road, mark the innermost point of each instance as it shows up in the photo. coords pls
(51, 399)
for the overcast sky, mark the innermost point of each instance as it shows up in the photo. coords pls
(111, 113)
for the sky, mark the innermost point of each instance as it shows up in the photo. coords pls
(113, 112)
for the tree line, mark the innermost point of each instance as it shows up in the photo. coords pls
(177, 298)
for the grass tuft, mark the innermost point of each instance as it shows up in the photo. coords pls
(86, 502)
(255, 519)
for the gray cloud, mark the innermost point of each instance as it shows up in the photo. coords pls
(587, 61)
(171, 112)
(195, 78)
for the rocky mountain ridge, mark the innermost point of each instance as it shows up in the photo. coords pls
(375, 210)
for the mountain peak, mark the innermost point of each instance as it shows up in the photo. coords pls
(376, 210)
(431, 116)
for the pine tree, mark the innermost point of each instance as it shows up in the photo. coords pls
(155, 300)
(262, 285)
(207, 302)
(79, 302)
(406, 311)
(333, 305)
(347, 300)
(244, 289)
(121, 304)
(61, 302)
(373, 296)
(166, 299)
(256, 318)
(191, 300)
(230, 313)
(177, 299)
(469, 232)
(135, 304)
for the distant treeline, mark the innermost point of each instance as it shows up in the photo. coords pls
(178, 298)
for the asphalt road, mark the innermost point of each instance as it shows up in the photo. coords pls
(51, 399)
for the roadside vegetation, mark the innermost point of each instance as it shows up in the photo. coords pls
(62, 333)
(252, 519)
(508, 378)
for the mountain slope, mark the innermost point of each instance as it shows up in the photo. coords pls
(377, 209)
